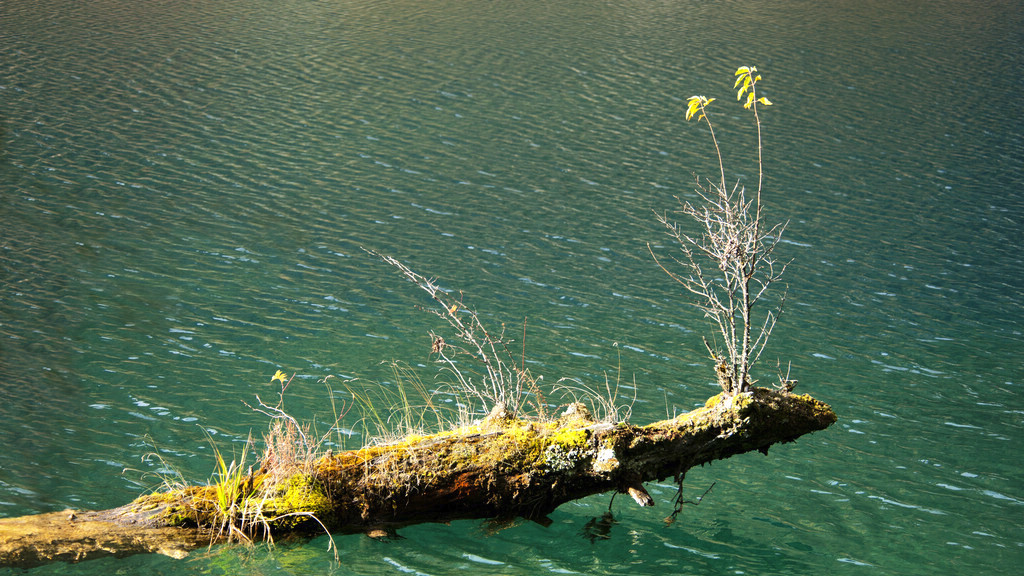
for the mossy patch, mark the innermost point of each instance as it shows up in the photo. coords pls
(569, 438)
(296, 500)
(304, 494)
(715, 400)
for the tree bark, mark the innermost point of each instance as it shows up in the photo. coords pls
(500, 467)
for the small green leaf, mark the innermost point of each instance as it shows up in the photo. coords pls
(743, 89)
(693, 104)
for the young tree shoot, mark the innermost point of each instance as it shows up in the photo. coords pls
(728, 264)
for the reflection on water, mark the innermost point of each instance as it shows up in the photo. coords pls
(186, 192)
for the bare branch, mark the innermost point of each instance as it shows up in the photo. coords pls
(504, 379)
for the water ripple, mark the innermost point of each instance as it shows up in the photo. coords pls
(186, 193)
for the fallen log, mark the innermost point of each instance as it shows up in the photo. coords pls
(500, 467)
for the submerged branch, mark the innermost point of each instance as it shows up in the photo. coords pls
(500, 467)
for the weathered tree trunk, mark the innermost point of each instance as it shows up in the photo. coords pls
(501, 467)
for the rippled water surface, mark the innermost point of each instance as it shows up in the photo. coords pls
(186, 188)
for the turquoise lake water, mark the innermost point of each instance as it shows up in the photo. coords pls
(186, 189)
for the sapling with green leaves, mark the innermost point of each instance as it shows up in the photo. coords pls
(729, 263)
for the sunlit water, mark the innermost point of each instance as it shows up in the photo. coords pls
(186, 189)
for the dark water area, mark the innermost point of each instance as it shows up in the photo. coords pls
(186, 190)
